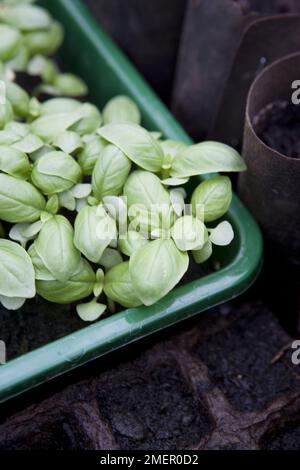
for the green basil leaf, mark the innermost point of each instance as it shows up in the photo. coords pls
(14, 163)
(29, 144)
(148, 202)
(91, 311)
(6, 113)
(41, 272)
(81, 191)
(174, 181)
(10, 41)
(189, 233)
(98, 287)
(177, 197)
(156, 135)
(52, 205)
(19, 201)
(26, 17)
(200, 256)
(12, 303)
(94, 231)
(68, 142)
(49, 126)
(206, 157)
(137, 144)
(37, 154)
(110, 258)
(170, 149)
(16, 233)
(18, 98)
(222, 235)
(69, 85)
(60, 106)
(19, 128)
(212, 198)
(67, 200)
(56, 248)
(78, 287)
(55, 172)
(45, 41)
(88, 157)
(143, 187)
(118, 286)
(90, 119)
(132, 242)
(121, 109)
(8, 137)
(16, 271)
(110, 173)
(156, 268)
(43, 67)
(19, 61)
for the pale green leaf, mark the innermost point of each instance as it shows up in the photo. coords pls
(16, 271)
(132, 241)
(118, 286)
(78, 287)
(20, 201)
(94, 231)
(55, 172)
(156, 268)
(212, 198)
(56, 248)
(68, 141)
(121, 109)
(91, 311)
(222, 235)
(206, 157)
(189, 233)
(200, 256)
(137, 144)
(110, 173)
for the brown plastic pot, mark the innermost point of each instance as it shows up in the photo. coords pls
(271, 186)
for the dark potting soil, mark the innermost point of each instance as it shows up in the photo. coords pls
(60, 434)
(278, 126)
(287, 438)
(51, 426)
(239, 358)
(153, 410)
(37, 323)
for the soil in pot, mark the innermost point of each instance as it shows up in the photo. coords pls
(278, 126)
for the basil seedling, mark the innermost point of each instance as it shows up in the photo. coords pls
(95, 204)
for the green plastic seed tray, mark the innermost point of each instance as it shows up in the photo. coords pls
(88, 52)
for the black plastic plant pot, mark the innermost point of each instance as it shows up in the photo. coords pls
(271, 186)
(149, 33)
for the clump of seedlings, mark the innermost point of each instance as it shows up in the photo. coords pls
(94, 205)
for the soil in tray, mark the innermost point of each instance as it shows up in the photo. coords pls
(154, 409)
(36, 324)
(278, 125)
